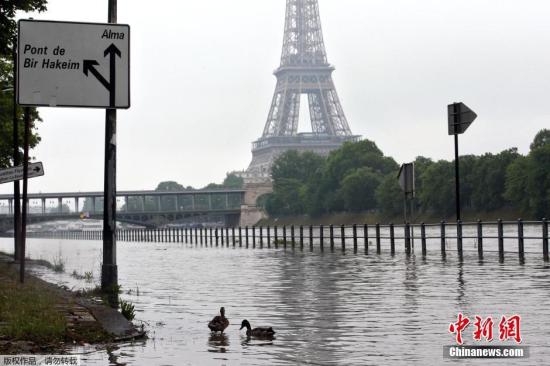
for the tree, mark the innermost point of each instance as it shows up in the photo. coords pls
(541, 139)
(169, 186)
(8, 9)
(389, 196)
(438, 195)
(359, 188)
(233, 181)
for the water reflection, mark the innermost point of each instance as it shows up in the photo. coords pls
(218, 343)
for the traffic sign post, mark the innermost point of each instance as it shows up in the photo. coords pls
(460, 117)
(109, 269)
(16, 185)
(67, 64)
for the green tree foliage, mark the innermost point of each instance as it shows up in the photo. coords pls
(8, 8)
(233, 181)
(541, 139)
(389, 196)
(169, 186)
(358, 177)
(359, 188)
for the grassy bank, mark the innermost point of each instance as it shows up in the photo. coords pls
(373, 218)
(37, 317)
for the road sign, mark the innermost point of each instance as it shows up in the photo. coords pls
(460, 118)
(406, 179)
(13, 174)
(64, 64)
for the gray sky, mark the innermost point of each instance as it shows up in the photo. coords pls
(202, 83)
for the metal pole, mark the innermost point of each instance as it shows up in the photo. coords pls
(457, 180)
(16, 186)
(25, 186)
(109, 270)
(545, 240)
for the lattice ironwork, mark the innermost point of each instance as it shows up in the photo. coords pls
(305, 70)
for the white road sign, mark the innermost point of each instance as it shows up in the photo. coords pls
(63, 64)
(13, 174)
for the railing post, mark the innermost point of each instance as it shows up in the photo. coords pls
(311, 237)
(322, 237)
(500, 239)
(408, 238)
(233, 235)
(459, 237)
(545, 240)
(216, 237)
(240, 237)
(331, 233)
(343, 237)
(366, 238)
(186, 237)
(292, 236)
(254, 237)
(480, 239)
(378, 244)
(443, 239)
(355, 238)
(246, 235)
(284, 236)
(268, 237)
(227, 237)
(521, 241)
(221, 236)
(392, 239)
(423, 239)
(301, 237)
(276, 236)
(261, 237)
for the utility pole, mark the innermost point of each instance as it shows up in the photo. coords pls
(109, 270)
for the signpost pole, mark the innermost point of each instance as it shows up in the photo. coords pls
(25, 192)
(457, 171)
(109, 271)
(16, 186)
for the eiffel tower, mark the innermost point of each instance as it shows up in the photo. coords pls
(304, 70)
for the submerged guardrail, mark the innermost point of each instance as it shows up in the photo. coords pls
(376, 237)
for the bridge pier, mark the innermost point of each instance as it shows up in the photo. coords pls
(43, 206)
(10, 207)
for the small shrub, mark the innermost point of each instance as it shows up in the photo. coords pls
(127, 309)
(58, 264)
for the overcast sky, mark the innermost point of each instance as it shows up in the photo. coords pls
(202, 83)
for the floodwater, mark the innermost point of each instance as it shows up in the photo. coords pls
(328, 308)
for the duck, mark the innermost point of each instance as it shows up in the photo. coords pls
(219, 323)
(257, 332)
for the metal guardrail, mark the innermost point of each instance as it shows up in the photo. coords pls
(343, 236)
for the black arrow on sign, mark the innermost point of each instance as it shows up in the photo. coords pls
(89, 66)
(37, 169)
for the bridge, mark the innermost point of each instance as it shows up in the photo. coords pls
(148, 208)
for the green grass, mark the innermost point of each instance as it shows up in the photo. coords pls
(27, 312)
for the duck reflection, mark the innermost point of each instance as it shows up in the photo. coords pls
(218, 343)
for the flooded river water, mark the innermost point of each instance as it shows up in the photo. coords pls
(328, 308)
